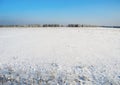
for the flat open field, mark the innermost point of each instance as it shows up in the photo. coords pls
(90, 54)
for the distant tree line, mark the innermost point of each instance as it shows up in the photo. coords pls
(49, 25)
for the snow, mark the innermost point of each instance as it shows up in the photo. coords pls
(59, 56)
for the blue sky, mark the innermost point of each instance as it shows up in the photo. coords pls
(97, 12)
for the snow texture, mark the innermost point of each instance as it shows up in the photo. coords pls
(59, 56)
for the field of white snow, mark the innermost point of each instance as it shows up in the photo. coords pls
(59, 56)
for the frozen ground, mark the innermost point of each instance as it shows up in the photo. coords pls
(59, 56)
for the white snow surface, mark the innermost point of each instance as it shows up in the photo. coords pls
(59, 56)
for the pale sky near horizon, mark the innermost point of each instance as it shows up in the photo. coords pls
(97, 12)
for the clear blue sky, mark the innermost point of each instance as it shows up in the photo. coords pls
(98, 12)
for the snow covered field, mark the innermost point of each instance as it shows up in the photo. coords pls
(59, 56)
